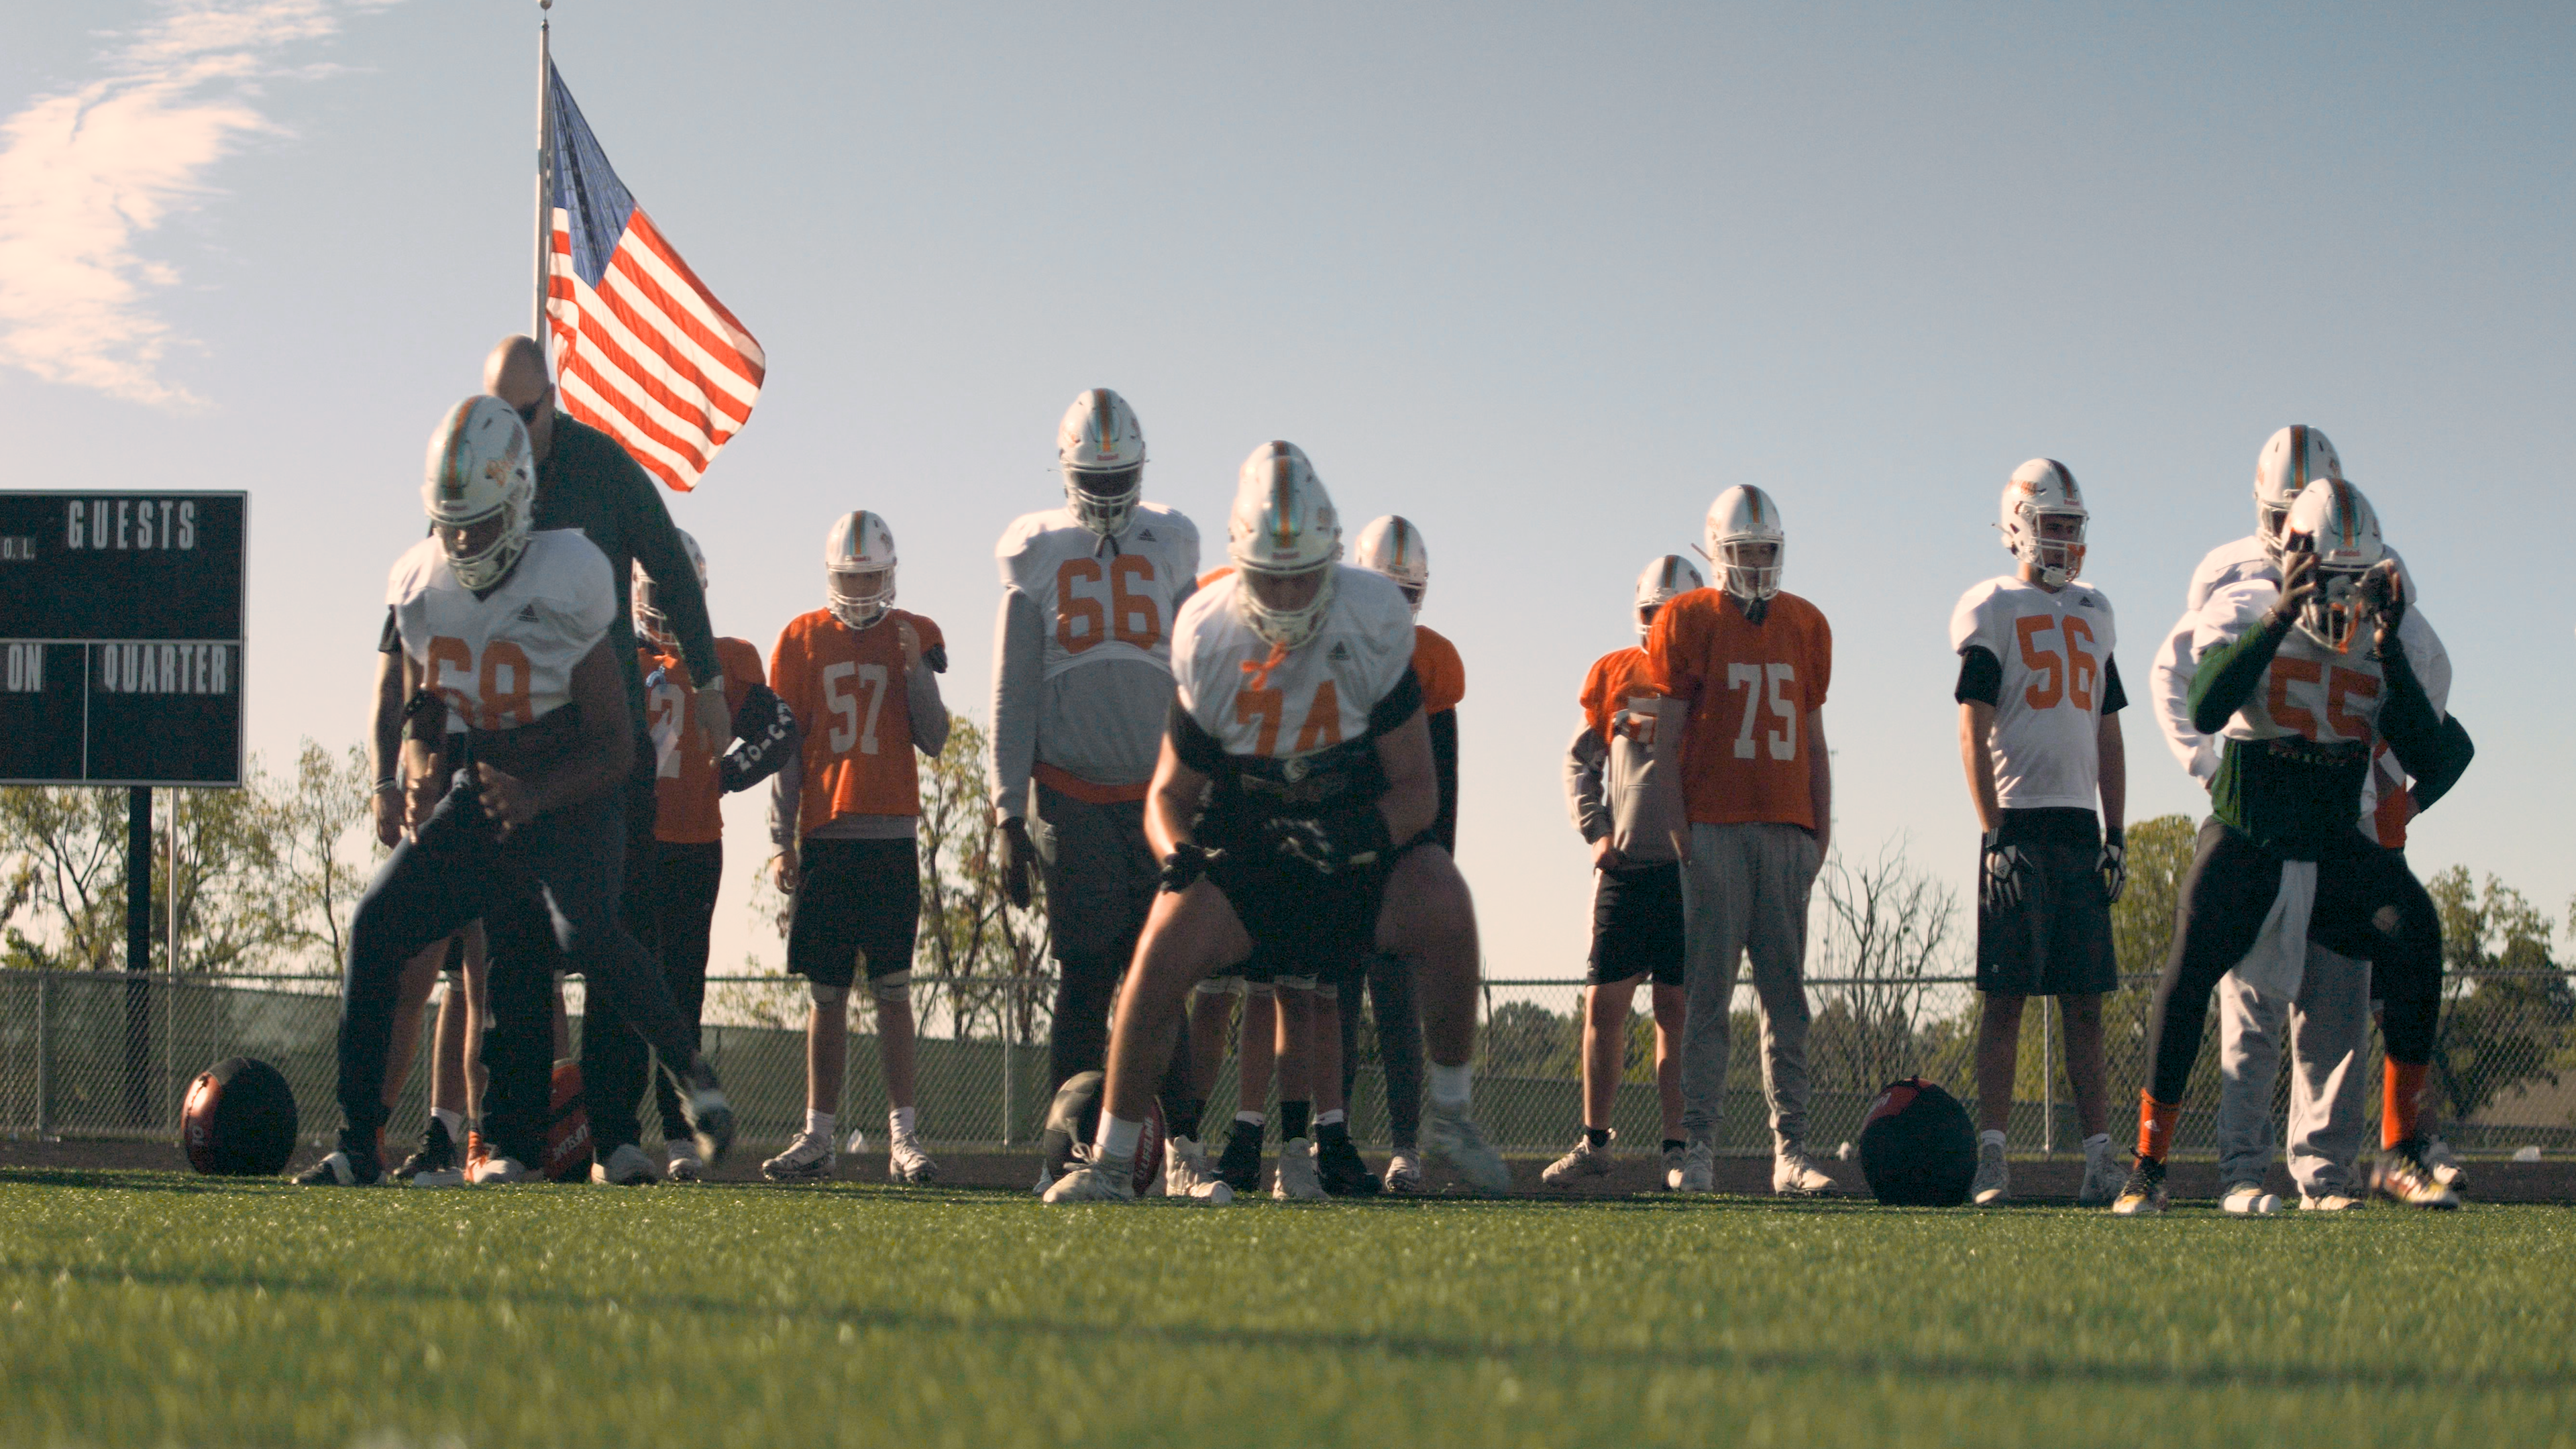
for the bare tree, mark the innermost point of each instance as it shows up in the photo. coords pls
(1884, 927)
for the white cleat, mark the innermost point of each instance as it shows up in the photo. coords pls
(496, 1171)
(1186, 1175)
(2446, 1168)
(626, 1167)
(1454, 1138)
(906, 1164)
(1585, 1160)
(1675, 1158)
(1404, 1172)
(1297, 1180)
(1794, 1174)
(2103, 1177)
(1106, 1181)
(2328, 1202)
(1993, 1182)
(684, 1165)
(2248, 1199)
(1699, 1168)
(807, 1159)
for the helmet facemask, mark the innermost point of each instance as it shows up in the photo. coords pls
(481, 561)
(1750, 569)
(859, 597)
(2059, 560)
(1285, 628)
(1103, 500)
(650, 622)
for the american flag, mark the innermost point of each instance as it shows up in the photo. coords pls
(642, 350)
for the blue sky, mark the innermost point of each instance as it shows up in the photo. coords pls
(1543, 279)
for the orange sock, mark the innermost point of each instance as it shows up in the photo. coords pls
(2155, 1125)
(2401, 1096)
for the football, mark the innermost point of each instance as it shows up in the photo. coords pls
(567, 1153)
(1917, 1146)
(238, 1119)
(1074, 1121)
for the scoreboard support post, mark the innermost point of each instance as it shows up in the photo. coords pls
(138, 956)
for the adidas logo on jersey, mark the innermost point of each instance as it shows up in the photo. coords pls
(528, 613)
(1144, 535)
(1341, 652)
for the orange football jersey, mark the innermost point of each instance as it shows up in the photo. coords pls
(848, 690)
(1617, 677)
(684, 786)
(1750, 689)
(1443, 674)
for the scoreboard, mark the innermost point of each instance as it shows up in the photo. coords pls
(121, 637)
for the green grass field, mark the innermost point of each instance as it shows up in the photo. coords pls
(139, 1309)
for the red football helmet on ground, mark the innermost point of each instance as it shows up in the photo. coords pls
(239, 1119)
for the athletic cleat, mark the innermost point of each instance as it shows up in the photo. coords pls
(1239, 1166)
(1794, 1174)
(1993, 1183)
(684, 1165)
(1404, 1172)
(493, 1170)
(2144, 1192)
(1585, 1160)
(344, 1168)
(1674, 1160)
(906, 1164)
(2402, 1175)
(2328, 1202)
(1186, 1175)
(702, 1101)
(1343, 1173)
(626, 1167)
(2102, 1177)
(2248, 1199)
(1297, 1180)
(2446, 1168)
(1107, 1181)
(1454, 1138)
(437, 1154)
(809, 1158)
(1699, 1168)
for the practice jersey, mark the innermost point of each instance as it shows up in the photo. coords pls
(1750, 688)
(504, 660)
(1620, 778)
(850, 693)
(1102, 599)
(685, 794)
(2045, 659)
(1319, 696)
(1442, 672)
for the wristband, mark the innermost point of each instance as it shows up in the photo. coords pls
(389, 786)
(1187, 862)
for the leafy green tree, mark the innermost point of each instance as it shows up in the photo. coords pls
(2508, 1019)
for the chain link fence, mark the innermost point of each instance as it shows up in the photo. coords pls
(110, 1055)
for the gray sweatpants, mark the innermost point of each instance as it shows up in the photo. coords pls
(2327, 1031)
(1744, 893)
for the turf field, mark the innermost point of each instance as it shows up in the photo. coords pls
(148, 1309)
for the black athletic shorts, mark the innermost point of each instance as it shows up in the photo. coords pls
(2057, 941)
(1637, 924)
(1303, 923)
(854, 897)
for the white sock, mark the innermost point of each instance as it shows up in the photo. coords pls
(1990, 1135)
(1118, 1137)
(2097, 1143)
(820, 1124)
(1257, 1119)
(901, 1120)
(1449, 1085)
(454, 1122)
(1327, 1119)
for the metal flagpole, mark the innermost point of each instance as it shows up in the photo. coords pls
(545, 155)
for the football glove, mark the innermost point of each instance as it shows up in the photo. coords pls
(1019, 857)
(2005, 876)
(764, 732)
(2385, 595)
(1188, 861)
(2114, 865)
(1329, 843)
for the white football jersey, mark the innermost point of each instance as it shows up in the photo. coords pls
(1320, 695)
(2055, 649)
(504, 660)
(2310, 692)
(1102, 598)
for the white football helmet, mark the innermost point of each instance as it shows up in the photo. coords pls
(858, 568)
(480, 469)
(1393, 546)
(1666, 579)
(1102, 452)
(1283, 527)
(2039, 489)
(2292, 458)
(1742, 519)
(2332, 520)
(649, 619)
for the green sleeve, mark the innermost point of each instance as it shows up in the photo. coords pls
(656, 545)
(2229, 674)
(2435, 756)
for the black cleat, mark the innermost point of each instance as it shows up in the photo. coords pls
(1343, 1173)
(437, 1154)
(354, 1164)
(1239, 1167)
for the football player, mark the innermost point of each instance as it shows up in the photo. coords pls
(2039, 700)
(844, 811)
(1752, 663)
(1292, 805)
(509, 627)
(2302, 676)
(688, 869)
(1627, 805)
(1082, 677)
(2328, 1022)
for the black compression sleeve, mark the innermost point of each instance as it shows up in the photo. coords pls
(2114, 698)
(1401, 704)
(1197, 748)
(1981, 676)
(390, 641)
(1444, 764)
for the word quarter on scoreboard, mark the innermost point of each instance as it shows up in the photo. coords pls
(121, 637)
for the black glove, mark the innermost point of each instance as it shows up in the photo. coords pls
(1329, 843)
(2114, 864)
(2385, 594)
(764, 736)
(1019, 857)
(1187, 862)
(2004, 876)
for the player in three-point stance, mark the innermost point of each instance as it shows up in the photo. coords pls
(844, 810)
(2039, 735)
(1292, 806)
(1752, 663)
(2302, 677)
(1082, 678)
(2327, 1021)
(1627, 805)
(510, 629)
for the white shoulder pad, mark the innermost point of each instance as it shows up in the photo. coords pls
(2232, 562)
(1199, 635)
(2230, 612)
(1023, 538)
(1382, 618)
(573, 578)
(412, 572)
(1968, 621)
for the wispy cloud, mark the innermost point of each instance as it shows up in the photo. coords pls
(86, 175)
